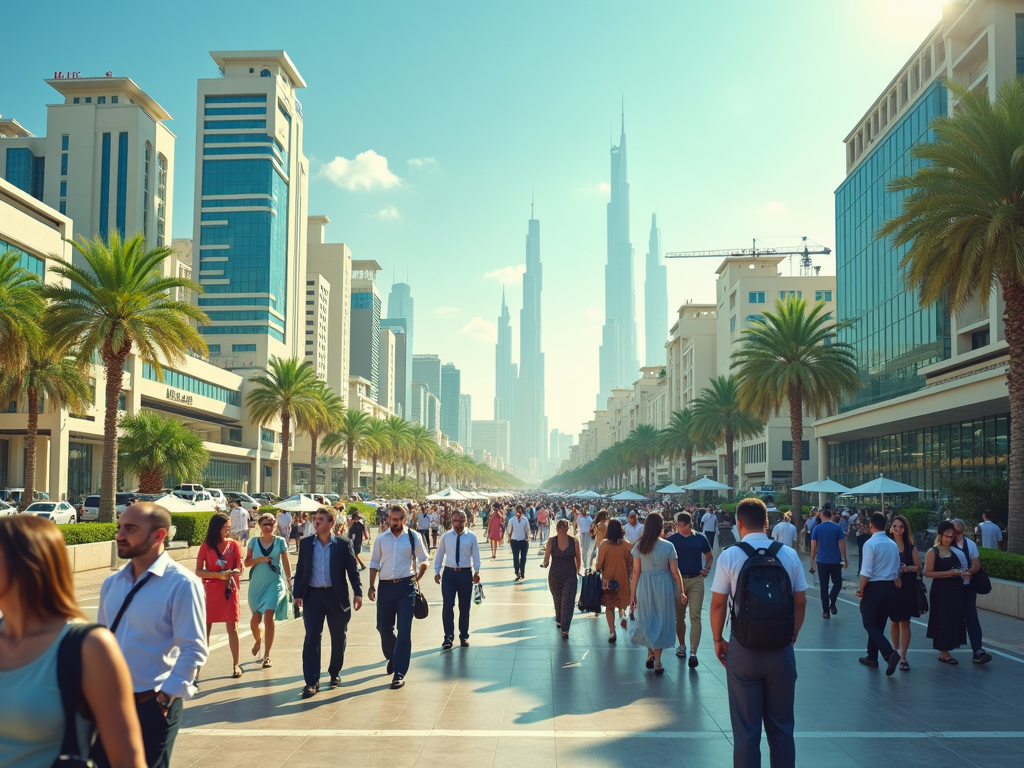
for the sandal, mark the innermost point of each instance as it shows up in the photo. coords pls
(650, 662)
(950, 660)
(659, 670)
(904, 667)
(237, 672)
(565, 635)
(267, 663)
(613, 638)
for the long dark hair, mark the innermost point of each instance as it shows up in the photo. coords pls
(652, 532)
(908, 535)
(614, 533)
(213, 531)
(37, 564)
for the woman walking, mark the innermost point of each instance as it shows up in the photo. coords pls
(495, 530)
(905, 605)
(614, 561)
(357, 531)
(656, 582)
(947, 626)
(266, 587)
(725, 529)
(219, 565)
(562, 553)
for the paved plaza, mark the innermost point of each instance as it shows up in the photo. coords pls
(519, 696)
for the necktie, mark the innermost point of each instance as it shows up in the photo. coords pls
(457, 542)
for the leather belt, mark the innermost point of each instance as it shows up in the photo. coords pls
(321, 587)
(451, 568)
(690, 575)
(143, 696)
(397, 581)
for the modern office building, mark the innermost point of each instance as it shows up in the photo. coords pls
(418, 406)
(531, 422)
(333, 263)
(466, 421)
(426, 369)
(386, 363)
(403, 365)
(655, 299)
(506, 373)
(106, 162)
(433, 414)
(494, 437)
(560, 444)
(618, 354)
(251, 206)
(934, 403)
(451, 396)
(318, 307)
(364, 352)
(401, 306)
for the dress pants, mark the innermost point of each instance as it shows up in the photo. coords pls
(158, 734)
(321, 604)
(971, 615)
(711, 537)
(694, 589)
(875, 608)
(395, 604)
(456, 584)
(519, 550)
(762, 686)
(833, 571)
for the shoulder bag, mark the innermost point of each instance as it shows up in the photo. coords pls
(980, 580)
(69, 678)
(420, 609)
(922, 593)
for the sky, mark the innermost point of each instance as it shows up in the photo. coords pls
(431, 124)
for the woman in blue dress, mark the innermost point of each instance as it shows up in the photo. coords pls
(266, 557)
(656, 582)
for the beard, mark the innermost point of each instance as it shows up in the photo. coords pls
(396, 528)
(126, 552)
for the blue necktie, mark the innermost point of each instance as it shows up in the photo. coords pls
(457, 537)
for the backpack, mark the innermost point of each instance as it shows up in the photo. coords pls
(73, 754)
(763, 609)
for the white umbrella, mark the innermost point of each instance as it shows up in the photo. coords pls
(671, 488)
(173, 503)
(299, 503)
(448, 494)
(628, 496)
(822, 486)
(587, 494)
(706, 484)
(880, 486)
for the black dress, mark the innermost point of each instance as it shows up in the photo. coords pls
(904, 606)
(946, 625)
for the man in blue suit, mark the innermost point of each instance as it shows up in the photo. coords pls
(325, 568)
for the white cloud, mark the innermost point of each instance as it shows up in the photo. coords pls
(387, 212)
(480, 329)
(506, 274)
(422, 164)
(367, 171)
(775, 206)
(602, 188)
(447, 311)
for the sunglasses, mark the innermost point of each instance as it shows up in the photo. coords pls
(267, 524)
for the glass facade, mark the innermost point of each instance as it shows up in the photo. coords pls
(28, 261)
(122, 180)
(926, 458)
(227, 475)
(191, 384)
(892, 336)
(104, 186)
(26, 171)
(79, 471)
(246, 99)
(214, 125)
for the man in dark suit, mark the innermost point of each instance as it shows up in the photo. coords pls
(326, 566)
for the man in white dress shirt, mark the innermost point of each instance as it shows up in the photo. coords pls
(879, 578)
(709, 525)
(394, 552)
(458, 552)
(156, 609)
(633, 529)
(785, 531)
(518, 530)
(239, 522)
(585, 526)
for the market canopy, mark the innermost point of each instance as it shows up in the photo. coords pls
(448, 494)
(823, 486)
(706, 484)
(587, 494)
(881, 486)
(627, 496)
(173, 503)
(671, 488)
(300, 503)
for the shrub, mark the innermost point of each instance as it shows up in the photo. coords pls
(267, 508)
(917, 517)
(367, 511)
(970, 496)
(1002, 565)
(399, 489)
(88, 533)
(191, 526)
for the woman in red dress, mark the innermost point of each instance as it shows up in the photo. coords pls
(219, 565)
(496, 529)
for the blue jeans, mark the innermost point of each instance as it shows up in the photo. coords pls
(971, 615)
(456, 584)
(395, 603)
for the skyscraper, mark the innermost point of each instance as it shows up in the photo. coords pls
(531, 425)
(619, 365)
(400, 307)
(364, 345)
(426, 369)
(466, 421)
(506, 374)
(403, 384)
(451, 389)
(655, 299)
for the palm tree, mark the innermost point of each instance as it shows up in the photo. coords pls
(791, 358)
(375, 444)
(963, 220)
(154, 447)
(400, 438)
(678, 440)
(117, 301)
(329, 411)
(289, 390)
(45, 372)
(20, 308)
(423, 447)
(718, 415)
(642, 445)
(352, 430)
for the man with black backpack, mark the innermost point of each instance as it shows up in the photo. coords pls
(765, 583)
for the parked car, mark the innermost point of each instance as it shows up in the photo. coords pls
(7, 509)
(332, 498)
(244, 499)
(59, 512)
(266, 497)
(203, 501)
(90, 509)
(14, 495)
(219, 498)
(763, 490)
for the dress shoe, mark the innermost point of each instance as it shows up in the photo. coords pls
(870, 662)
(834, 610)
(447, 644)
(310, 691)
(397, 683)
(464, 643)
(891, 663)
(335, 681)
(391, 667)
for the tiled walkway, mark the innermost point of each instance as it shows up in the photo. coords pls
(520, 696)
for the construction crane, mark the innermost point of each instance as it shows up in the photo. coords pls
(805, 250)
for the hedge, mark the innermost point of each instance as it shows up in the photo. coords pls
(191, 526)
(917, 517)
(88, 533)
(367, 511)
(1002, 565)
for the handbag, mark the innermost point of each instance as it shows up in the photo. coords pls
(69, 679)
(420, 608)
(980, 581)
(922, 597)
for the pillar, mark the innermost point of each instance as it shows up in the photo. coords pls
(822, 467)
(57, 465)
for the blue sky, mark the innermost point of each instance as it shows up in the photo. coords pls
(428, 124)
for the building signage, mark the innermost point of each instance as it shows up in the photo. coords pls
(75, 75)
(178, 397)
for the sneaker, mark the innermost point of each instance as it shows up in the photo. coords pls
(681, 651)
(398, 682)
(693, 661)
(981, 657)
(447, 644)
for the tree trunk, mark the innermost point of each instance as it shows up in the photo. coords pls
(689, 466)
(419, 480)
(393, 462)
(151, 480)
(284, 487)
(312, 460)
(114, 364)
(729, 439)
(30, 448)
(1013, 295)
(647, 473)
(374, 459)
(351, 451)
(405, 470)
(796, 430)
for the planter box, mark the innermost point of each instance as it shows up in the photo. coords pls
(1006, 597)
(92, 557)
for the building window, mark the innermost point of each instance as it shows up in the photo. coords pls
(243, 347)
(756, 297)
(823, 295)
(64, 164)
(145, 190)
(64, 143)
(75, 100)
(122, 181)
(790, 294)
(104, 186)
(101, 99)
(980, 339)
(235, 435)
(113, 99)
(787, 450)
(63, 207)
(732, 324)
(243, 99)
(755, 318)
(183, 381)
(64, 189)
(267, 435)
(214, 349)
(265, 73)
(88, 99)
(161, 197)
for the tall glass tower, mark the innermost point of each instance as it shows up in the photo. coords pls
(531, 424)
(401, 307)
(505, 373)
(655, 299)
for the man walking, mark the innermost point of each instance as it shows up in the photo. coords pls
(284, 529)
(709, 525)
(518, 530)
(156, 608)
(423, 526)
(991, 534)
(326, 567)
(879, 579)
(694, 555)
(435, 526)
(400, 558)
(828, 556)
(239, 522)
(458, 553)
(543, 525)
(761, 682)
(632, 529)
(585, 526)
(785, 531)
(967, 553)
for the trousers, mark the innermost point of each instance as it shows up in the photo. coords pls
(395, 604)
(519, 550)
(321, 604)
(694, 589)
(158, 734)
(971, 615)
(586, 549)
(875, 608)
(711, 537)
(762, 687)
(456, 584)
(827, 571)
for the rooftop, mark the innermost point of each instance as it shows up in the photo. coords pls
(260, 57)
(73, 86)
